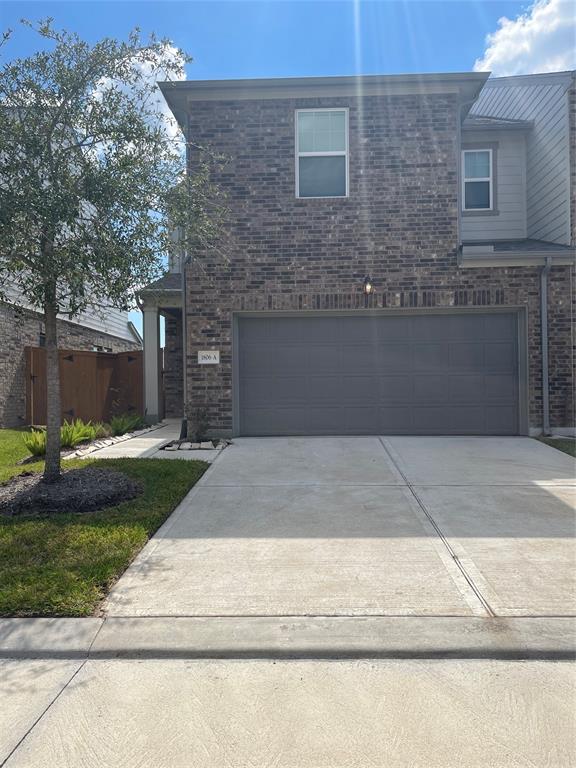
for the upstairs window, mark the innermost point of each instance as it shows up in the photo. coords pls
(477, 176)
(321, 153)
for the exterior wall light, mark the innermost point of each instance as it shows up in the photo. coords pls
(368, 288)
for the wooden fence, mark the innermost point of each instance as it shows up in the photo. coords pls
(93, 385)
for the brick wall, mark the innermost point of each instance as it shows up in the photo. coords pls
(173, 385)
(20, 328)
(399, 225)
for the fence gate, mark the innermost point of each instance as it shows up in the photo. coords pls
(93, 385)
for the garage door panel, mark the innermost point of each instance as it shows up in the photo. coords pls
(395, 389)
(379, 374)
(501, 387)
(431, 420)
(358, 357)
(500, 356)
(327, 358)
(421, 329)
(466, 388)
(430, 356)
(430, 388)
(395, 329)
(497, 326)
(359, 420)
(394, 357)
(465, 327)
(396, 420)
(465, 420)
(360, 388)
(252, 361)
(500, 420)
(466, 356)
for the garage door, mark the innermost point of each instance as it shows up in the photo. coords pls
(435, 374)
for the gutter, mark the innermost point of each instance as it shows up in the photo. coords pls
(134, 331)
(544, 344)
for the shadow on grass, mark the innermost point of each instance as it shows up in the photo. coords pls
(64, 564)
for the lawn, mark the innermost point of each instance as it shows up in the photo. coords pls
(64, 565)
(566, 445)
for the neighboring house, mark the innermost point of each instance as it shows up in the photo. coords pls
(20, 327)
(399, 258)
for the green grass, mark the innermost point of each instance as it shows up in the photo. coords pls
(64, 565)
(12, 449)
(562, 444)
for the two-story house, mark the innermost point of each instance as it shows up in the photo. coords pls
(398, 258)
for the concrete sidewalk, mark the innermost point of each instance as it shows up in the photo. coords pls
(175, 713)
(149, 445)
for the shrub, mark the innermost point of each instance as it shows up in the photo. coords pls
(200, 424)
(35, 442)
(72, 433)
(126, 422)
(102, 430)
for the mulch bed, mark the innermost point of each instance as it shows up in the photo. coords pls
(78, 490)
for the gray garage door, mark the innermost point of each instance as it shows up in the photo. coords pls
(417, 374)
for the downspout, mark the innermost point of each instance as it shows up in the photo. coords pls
(544, 344)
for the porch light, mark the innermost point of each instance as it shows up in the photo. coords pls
(368, 287)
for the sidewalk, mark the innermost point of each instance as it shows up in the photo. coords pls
(171, 693)
(148, 446)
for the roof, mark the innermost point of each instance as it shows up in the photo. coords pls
(565, 77)
(486, 122)
(179, 94)
(511, 253)
(171, 281)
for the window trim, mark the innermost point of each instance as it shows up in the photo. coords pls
(489, 179)
(340, 153)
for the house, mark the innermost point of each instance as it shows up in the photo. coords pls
(20, 327)
(399, 258)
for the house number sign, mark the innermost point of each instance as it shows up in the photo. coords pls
(209, 357)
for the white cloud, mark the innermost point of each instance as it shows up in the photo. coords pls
(543, 39)
(168, 66)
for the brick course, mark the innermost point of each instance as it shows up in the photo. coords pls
(21, 328)
(173, 373)
(399, 225)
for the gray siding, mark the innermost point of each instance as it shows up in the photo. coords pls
(509, 223)
(544, 100)
(109, 320)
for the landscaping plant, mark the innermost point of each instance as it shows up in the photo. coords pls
(35, 441)
(126, 422)
(72, 433)
(92, 182)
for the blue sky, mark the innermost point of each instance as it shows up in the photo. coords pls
(273, 38)
(283, 38)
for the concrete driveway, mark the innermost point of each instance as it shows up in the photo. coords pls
(367, 526)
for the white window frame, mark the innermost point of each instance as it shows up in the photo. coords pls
(340, 153)
(489, 178)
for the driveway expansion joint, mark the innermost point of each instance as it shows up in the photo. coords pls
(440, 533)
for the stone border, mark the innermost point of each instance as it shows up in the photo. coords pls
(105, 442)
(189, 445)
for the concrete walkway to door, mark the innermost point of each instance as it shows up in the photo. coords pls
(365, 526)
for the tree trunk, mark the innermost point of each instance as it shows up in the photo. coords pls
(53, 410)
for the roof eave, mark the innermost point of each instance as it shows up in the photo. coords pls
(180, 94)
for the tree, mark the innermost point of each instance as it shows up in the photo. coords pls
(90, 179)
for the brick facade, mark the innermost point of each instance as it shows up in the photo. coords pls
(21, 328)
(173, 373)
(399, 225)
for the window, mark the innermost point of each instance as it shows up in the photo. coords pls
(321, 153)
(477, 192)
